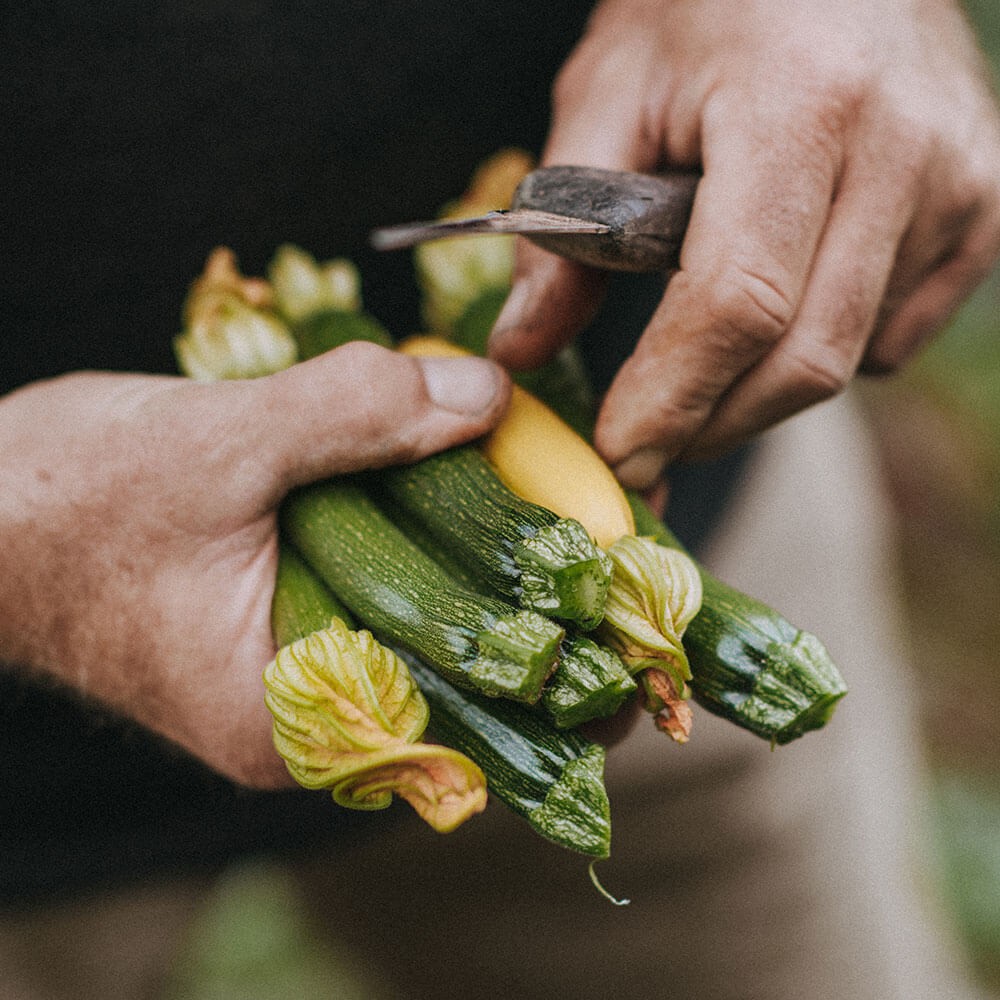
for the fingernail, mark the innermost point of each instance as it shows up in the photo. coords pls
(513, 313)
(642, 468)
(462, 385)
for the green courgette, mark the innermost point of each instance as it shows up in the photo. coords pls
(553, 779)
(405, 598)
(748, 663)
(301, 603)
(518, 550)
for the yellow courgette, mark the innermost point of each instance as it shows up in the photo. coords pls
(572, 480)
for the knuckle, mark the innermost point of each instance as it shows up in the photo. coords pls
(752, 310)
(826, 87)
(837, 83)
(819, 376)
(359, 357)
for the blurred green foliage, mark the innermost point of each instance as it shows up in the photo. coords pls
(253, 941)
(966, 820)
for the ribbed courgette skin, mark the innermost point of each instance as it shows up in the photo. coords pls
(748, 663)
(404, 597)
(591, 682)
(301, 603)
(554, 780)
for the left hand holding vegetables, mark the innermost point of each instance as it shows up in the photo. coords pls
(138, 524)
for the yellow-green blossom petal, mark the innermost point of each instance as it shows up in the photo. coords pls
(453, 273)
(443, 786)
(302, 286)
(347, 717)
(655, 592)
(220, 282)
(234, 341)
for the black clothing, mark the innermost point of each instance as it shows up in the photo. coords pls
(139, 137)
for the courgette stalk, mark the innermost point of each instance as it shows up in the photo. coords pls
(519, 550)
(748, 663)
(591, 682)
(404, 597)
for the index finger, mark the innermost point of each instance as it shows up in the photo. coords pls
(758, 216)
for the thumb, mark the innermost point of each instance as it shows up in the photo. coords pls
(550, 301)
(362, 406)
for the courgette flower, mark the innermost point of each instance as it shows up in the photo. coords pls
(229, 330)
(221, 281)
(655, 592)
(347, 717)
(454, 273)
(302, 286)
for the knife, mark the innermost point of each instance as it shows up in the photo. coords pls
(613, 220)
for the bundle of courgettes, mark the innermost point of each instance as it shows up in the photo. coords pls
(500, 609)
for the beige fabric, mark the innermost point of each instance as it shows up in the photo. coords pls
(753, 874)
(109, 947)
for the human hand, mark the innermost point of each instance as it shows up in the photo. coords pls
(139, 530)
(850, 201)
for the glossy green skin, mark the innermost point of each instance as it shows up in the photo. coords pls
(748, 663)
(553, 779)
(404, 597)
(591, 682)
(301, 603)
(459, 500)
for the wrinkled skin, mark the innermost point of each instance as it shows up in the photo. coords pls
(850, 201)
(138, 517)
